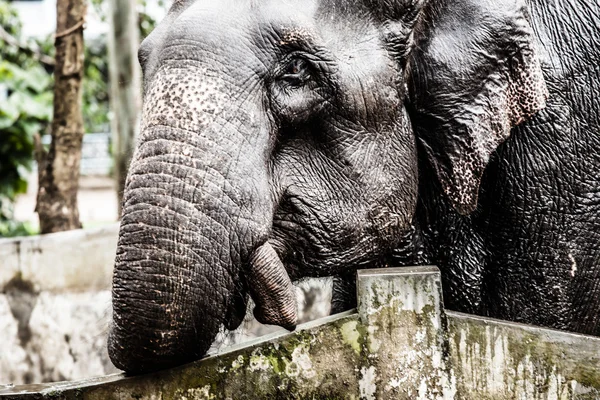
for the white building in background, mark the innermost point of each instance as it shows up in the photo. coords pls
(39, 17)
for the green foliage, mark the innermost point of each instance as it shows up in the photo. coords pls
(9, 20)
(95, 106)
(25, 110)
(11, 228)
(146, 22)
(26, 101)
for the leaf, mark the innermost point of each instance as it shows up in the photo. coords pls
(6, 121)
(6, 72)
(21, 186)
(30, 106)
(9, 113)
(17, 78)
(31, 128)
(39, 80)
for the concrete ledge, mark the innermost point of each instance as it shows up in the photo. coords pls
(80, 260)
(403, 320)
(55, 306)
(344, 356)
(400, 344)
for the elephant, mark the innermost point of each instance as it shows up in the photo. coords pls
(284, 139)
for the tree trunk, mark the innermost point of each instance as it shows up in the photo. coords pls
(59, 168)
(125, 86)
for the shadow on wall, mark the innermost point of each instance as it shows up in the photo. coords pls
(55, 305)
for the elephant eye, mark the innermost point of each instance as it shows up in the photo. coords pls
(296, 72)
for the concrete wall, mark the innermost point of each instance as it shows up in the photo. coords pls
(55, 310)
(55, 306)
(401, 344)
(503, 360)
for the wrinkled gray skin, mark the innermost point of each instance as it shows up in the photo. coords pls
(284, 139)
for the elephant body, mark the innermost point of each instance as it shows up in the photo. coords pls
(530, 252)
(286, 139)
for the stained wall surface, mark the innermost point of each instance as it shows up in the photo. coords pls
(399, 344)
(55, 305)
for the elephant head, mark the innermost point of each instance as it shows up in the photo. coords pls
(279, 140)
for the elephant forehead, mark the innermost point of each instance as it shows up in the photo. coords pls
(185, 97)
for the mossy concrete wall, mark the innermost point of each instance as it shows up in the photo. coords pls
(401, 344)
(500, 360)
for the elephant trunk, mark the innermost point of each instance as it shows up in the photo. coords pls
(197, 212)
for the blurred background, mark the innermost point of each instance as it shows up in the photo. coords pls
(27, 50)
(55, 289)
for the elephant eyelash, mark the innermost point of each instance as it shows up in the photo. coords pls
(297, 71)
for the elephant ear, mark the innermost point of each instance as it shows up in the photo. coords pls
(473, 74)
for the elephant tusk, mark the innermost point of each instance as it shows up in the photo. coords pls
(271, 289)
